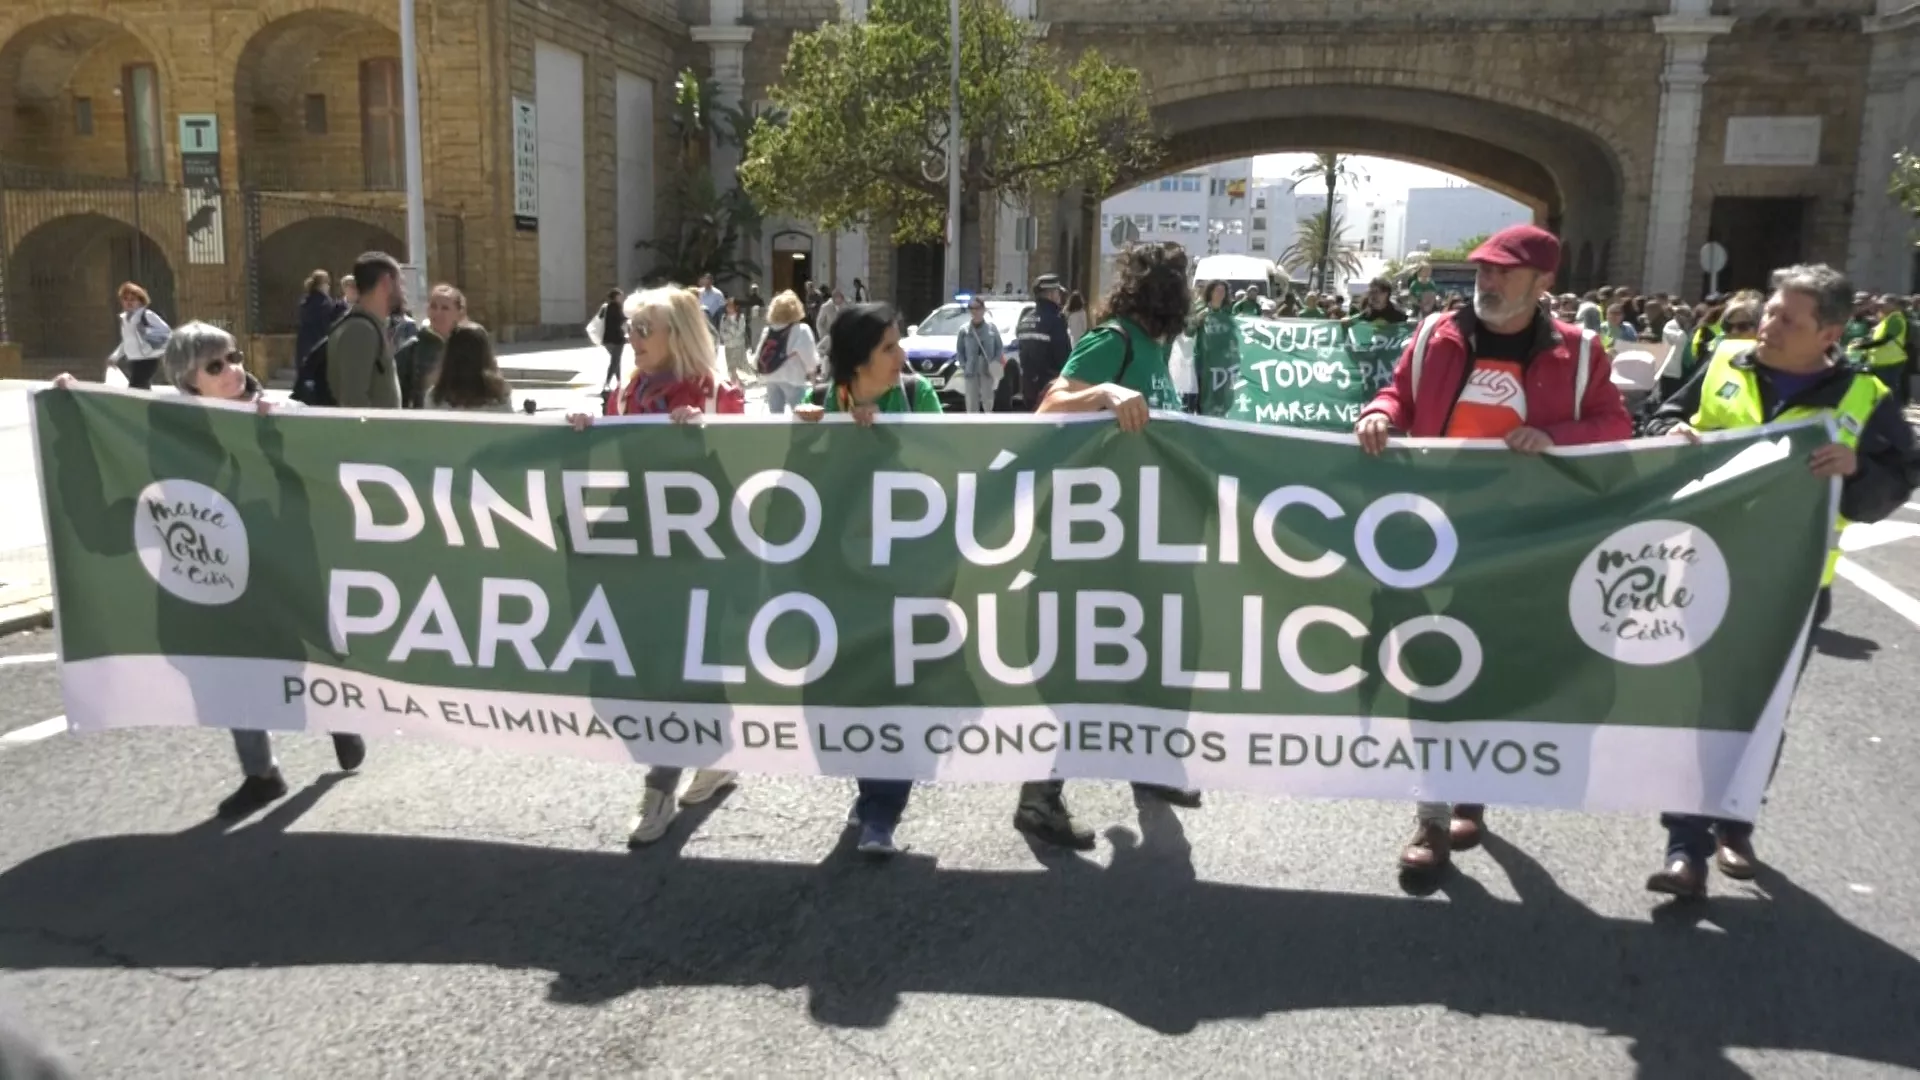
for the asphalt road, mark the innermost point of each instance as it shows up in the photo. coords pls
(451, 913)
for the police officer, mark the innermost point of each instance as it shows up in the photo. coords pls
(1793, 372)
(1044, 342)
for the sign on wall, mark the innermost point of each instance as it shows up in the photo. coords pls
(200, 176)
(526, 166)
(1773, 140)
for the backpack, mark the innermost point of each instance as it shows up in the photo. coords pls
(310, 386)
(773, 350)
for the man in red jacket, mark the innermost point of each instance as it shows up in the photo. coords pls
(1501, 369)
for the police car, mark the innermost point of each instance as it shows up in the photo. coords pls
(930, 349)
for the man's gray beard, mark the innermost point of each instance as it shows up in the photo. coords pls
(1487, 308)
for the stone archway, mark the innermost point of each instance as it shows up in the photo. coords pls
(289, 254)
(1569, 175)
(317, 104)
(61, 280)
(82, 95)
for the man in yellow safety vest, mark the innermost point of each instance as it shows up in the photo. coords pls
(1884, 349)
(1794, 371)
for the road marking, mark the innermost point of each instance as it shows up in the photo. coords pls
(32, 658)
(1873, 585)
(45, 729)
(1873, 534)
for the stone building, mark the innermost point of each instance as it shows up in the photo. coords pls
(219, 152)
(1639, 129)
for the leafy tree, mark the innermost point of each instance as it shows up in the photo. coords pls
(1905, 187)
(1320, 246)
(1458, 252)
(866, 115)
(1334, 170)
(704, 227)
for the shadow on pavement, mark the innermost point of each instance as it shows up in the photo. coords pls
(1143, 938)
(1843, 646)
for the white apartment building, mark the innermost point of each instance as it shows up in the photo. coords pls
(1441, 217)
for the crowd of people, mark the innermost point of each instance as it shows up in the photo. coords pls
(1767, 357)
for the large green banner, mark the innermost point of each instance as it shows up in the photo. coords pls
(1302, 373)
(1209, 604)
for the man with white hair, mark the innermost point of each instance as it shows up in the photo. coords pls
(1501, 369)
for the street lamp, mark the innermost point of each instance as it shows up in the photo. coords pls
(416, 196)
(953, 161)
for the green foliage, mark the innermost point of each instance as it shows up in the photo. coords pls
(1311, 249)
(1332, 170)
(1905, 187)
(866, 115)
(1458, 252)
(704, 228)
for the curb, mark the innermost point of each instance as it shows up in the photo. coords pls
(36, 614)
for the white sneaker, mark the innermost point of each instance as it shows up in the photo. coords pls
(656, 814)
(706, 784)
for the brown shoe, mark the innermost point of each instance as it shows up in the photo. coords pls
(1469, 821)
(1735, 857)
(1681, 878)
(1430, 850)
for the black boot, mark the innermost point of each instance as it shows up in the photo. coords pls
(254, 793)
(1172, 796)
(1043, 815)
(350, 751)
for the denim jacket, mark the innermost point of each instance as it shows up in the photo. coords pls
(977, 348)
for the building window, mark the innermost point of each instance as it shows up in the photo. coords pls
(140, 93)
(381, 123)
(1189, 223)
(1143, 222)
(83, 116)
(1169, 223)
(1259, 224)
(1170, 184)
(1259, 202)
(1259, 243)
(316, 114)
(1026, 233)
(1236, 226)
(1189, 183)
(1217, 187)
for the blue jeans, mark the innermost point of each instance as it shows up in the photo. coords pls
(782, 396)
(881, 802)
(1692, 836)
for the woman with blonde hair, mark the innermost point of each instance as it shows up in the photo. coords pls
(786, 355)
(675, 374)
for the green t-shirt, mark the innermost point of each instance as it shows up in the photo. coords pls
(1420, 288)
(895, 400)
(1102, 351)
(1216, 361)
(1249, 307)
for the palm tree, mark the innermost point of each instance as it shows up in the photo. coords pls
(1314, 246)
(1335, 169)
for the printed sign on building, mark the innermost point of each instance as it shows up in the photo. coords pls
(200, 176)
(526, 166)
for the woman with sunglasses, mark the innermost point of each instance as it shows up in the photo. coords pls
(675, 375)
(202, 362)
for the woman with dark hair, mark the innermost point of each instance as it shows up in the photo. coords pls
(318, 312)
(867, 371)
(1076, 316)
(1120, 366)
(469, 376)
(612, 320)
(1216, 351)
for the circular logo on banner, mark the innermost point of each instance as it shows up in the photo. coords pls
(1651, 593)
(192, 541)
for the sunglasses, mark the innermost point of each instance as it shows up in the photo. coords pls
(219, 364)
(641, 330)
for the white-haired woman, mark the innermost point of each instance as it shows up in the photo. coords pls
(674, 375)
(786, 356)
(202, 361)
